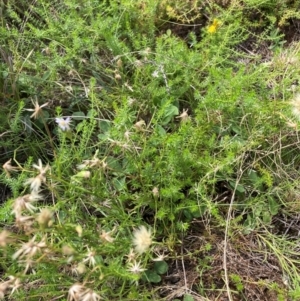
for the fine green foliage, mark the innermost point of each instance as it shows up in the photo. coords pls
(120, 133)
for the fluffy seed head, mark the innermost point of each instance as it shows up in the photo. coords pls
(142, 239)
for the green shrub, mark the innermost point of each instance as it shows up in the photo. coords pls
(163, 131)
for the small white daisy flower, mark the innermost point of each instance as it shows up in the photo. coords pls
(64, 124)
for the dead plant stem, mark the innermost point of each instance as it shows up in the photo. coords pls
(226, 233)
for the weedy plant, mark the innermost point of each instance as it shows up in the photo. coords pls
(120, 136)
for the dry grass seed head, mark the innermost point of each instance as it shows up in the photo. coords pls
(37, 111)
(75, 292)
(44, 218)
(184, 117)
(35, 183)
(9, 168)
(13, 283)
(25, 203)
(131, 256)
(3, 288)
(42, 170)
(106, 237)
(30, 249)
(24, 223)
(140, 125)
(90, 257)
(5, 238)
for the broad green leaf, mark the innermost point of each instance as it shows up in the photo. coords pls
(161, 267)
(266, 217)
(119, 184)
(169, 113)
(104, 125)
(78, 116)
(161, 130)
(188, 298)
(151, 276)
(91, 113)
(273, 206)
(114, 164)
(187, 213)
(239, 188)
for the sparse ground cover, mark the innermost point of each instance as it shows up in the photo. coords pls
(150, 150)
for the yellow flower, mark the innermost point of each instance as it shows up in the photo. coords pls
(214, 26)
